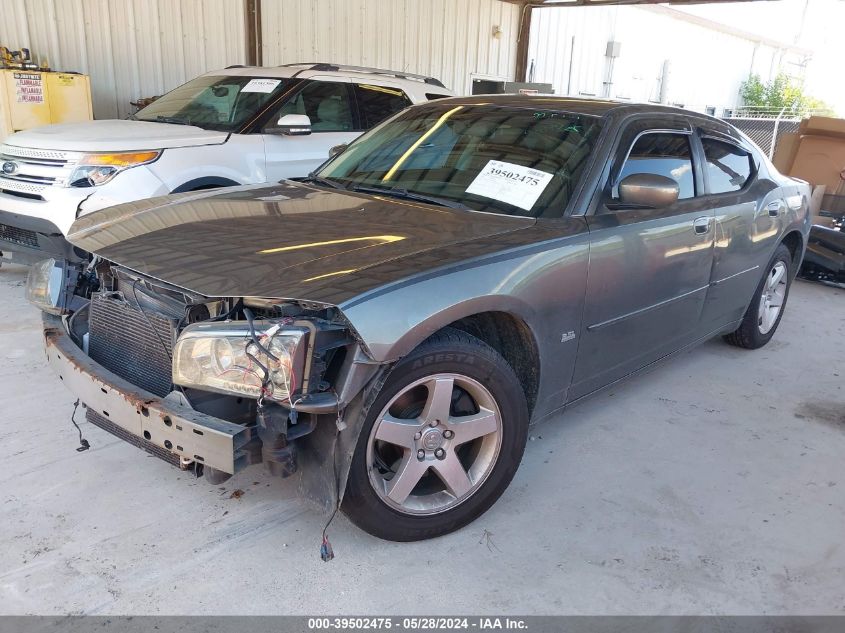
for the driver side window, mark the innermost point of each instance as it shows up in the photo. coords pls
(664, 154)
(326, 103)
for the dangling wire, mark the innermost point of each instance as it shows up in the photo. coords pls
(83, 443)
(250, 319)
(326, 551)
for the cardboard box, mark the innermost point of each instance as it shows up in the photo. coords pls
(816, 153)
(785, 152)
(819, 160)
(823, 126)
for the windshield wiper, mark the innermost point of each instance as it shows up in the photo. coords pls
(409, 195)
(319, 180)
(173, 119)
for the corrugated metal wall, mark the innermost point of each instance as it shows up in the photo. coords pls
(131, 48)
(708, 73)
(448, 39)
(141, 48)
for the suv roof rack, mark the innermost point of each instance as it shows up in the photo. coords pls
(324, 67)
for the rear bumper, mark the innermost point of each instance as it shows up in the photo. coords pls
(171, 430)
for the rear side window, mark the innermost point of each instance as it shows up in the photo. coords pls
(728, 167)
(664, 154)
(379, 102)
(431, 96)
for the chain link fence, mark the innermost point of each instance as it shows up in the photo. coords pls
(765, 132)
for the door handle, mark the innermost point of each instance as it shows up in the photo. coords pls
(775, 208)
(702, 225)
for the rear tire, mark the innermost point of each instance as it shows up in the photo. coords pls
(763, 316)
(440, 443)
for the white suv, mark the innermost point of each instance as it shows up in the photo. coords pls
(241, 125)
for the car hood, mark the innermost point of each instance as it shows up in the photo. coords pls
(286, 241)
(114, 136)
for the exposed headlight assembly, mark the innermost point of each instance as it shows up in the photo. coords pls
(50, 286)
(227, 358)
(97, 169)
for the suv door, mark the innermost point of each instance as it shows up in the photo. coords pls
(329, 105)
(649, 268)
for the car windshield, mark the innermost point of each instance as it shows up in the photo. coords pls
(214, 102)
(515, 161)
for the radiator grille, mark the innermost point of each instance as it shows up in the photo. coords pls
(123, 341)
(18, 236)
(118, 431)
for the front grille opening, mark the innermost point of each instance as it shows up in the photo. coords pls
(21, 194)
(22, 237)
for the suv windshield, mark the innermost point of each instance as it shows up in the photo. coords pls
(497, 159)
(214, 102)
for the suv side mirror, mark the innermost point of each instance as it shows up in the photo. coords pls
(338, 149)
(648, 190)
(292, 125)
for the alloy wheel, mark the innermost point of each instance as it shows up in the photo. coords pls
(434, 444)
(772, 298)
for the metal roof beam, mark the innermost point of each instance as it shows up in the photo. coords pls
(605, 3)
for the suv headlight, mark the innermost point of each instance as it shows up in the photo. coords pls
(97, 169)
(49, 286)
(225, 358)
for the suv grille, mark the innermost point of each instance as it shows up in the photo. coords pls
(130, 344)
(35, 169)
(18, 236)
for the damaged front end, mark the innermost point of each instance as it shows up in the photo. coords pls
(208, 384)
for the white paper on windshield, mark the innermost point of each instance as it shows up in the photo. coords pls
(261, 85)
(507, 182)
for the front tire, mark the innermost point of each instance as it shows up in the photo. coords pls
(440, 443)
(766, 310)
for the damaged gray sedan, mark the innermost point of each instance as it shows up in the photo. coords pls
(387, 328)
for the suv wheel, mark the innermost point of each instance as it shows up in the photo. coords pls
(441, 441)
(764, 314)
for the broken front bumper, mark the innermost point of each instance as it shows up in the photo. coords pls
(156, 424)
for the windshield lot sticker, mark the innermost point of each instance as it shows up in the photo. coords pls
(507, 182)
(261, 85)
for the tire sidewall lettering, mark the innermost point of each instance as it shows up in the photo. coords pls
(443, 357)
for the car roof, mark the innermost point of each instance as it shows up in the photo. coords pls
(307, 70)
(578, 105)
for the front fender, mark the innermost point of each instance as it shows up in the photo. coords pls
(391, 334)
(541, 283)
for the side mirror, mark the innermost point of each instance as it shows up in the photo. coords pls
(292, 125)
(648, 190)
(338, 149)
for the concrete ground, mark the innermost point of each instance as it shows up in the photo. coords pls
(713, 484)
